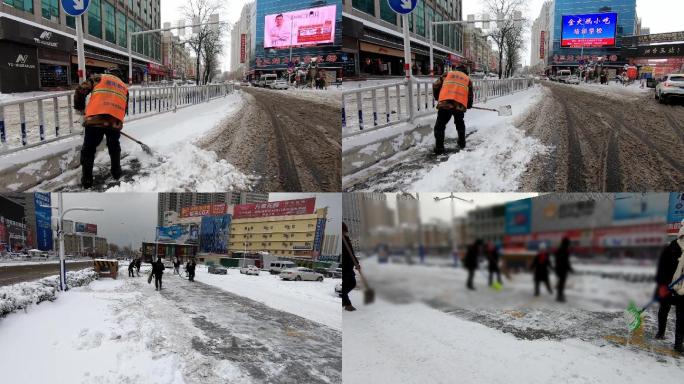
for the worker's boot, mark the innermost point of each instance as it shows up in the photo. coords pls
(87, 171)
(116, 167)
(461, 138)
(439, 143)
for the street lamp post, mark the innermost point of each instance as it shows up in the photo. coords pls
(452, 197)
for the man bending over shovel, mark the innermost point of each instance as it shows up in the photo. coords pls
(454, 93)
(104, 116)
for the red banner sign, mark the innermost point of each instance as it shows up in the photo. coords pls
(204, 210)
(91, 228)
(243, 47)
(275, 208)
(542, 43)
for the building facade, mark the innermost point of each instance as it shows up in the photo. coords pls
(331, 245)
(38, 42)
(541, 31)
(373, 37)
(176, 57)
(611, 57)
(477, 49)
(242, 41)
(84, 245)
(486, 224)
(175, 201)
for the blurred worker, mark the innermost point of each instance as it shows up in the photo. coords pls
(190, 267)
(104, 116)
(454, 93)
(131, 266)
(670, 268)
(493, 259)
(563, 267)
(349, 262)
(540, 267)
(471, 261)
(138, 261)
(158, 272)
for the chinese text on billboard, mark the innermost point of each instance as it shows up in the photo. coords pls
(299, 28)
(592, 30)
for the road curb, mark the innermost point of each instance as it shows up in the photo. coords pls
(55, 164)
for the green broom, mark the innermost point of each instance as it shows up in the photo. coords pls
(637, 314)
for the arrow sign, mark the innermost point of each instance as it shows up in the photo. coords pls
(75, 7)
(402, 7)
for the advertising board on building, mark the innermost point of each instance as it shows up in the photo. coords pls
(320, 232)
(275, 208)
(518, 217)
(542, 43)
(640, 208)
(204, 210)
(570, 211)
(243, 47)
(43, 221)
(303, 27)
(675, 212)
(12, 229)
(214, 233)
(594, 30)
(85, 228)
(179, 233)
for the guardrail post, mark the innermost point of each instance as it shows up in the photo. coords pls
(397, 88)
(175, 98)
(22, 121)
(387, 105)
(70, 114)
(41, 121)
(55, 108)
(3, 134)
(359, 107)
(344, 114)
(411, 102)
(375, 108)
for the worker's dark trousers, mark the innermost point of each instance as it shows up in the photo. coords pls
(493, 271)
(664, 311)
(191, 275)
(130, 273)
(92, 138)
(158, 281)
(562, 277)
(471, 275)
(546, 282)
(443, 117)
(348, 284)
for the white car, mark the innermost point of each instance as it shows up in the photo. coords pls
(301, 273)
(279, 84)
(572, 80)
(673, 86)
(250, 270)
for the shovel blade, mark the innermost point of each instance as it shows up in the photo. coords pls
(505, 110)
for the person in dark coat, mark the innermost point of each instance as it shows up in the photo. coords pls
(131, 265)
(176, 267)
(493, 260)
(190, 267)
(158, 272)
(540, 266)
(563, 267)
(349, 262)
(470, 262)
(138, 261)
(667, 266)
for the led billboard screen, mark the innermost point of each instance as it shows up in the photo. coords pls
(300, 28)
(589, 31)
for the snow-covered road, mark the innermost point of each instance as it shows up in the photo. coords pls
(123, 331)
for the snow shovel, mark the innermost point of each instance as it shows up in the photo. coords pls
(504, 110)
(144, 146)
(495, 283)
(637, 313)
(368, 292)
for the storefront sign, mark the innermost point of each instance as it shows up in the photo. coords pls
(570, 211)
(204, 210)
(214, 233)
(179, 233)
(275, 208)
(266, 61)
(666, 50)
(591, 30)
(85, 228)
(243, 47)
(675, 212)
(27, 34)
(638, 208)
(518, 217)
(43, 221)
(542, 43)
(320, 232)
(657, 38)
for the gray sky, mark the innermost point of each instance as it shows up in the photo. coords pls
(663, 17)
(430, 209)
(132, 217)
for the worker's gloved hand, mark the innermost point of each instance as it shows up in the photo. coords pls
(663, 291)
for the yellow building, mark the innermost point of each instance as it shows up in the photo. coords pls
(292, 236)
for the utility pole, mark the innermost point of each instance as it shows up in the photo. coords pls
(452, 197)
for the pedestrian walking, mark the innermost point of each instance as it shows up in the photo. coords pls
(670, 268)
(158, 272)
(349, 263)
(493, 259)
(454, 94)
(190, 268)
(562, 268)
(131, 267)
(138, 261)
(540, 267)
(471, 262)
(176, 267)
(104, 116)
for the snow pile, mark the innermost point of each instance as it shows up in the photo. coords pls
(20, 296)
(496, 154)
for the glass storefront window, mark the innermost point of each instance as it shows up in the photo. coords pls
(71, 22)
(50, 9)
(95, 19)
(429, 16)
(24, 5)
(121, 37)
(110, 22)
(420, 18)
(131, 27)
(139, 39)
(367, 6)
(387, 14)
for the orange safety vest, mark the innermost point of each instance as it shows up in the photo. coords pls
(455, 88)
(109, 97)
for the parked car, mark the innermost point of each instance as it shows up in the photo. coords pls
(278, 266)
(250, 270)
(563, 75)
(266, 79)
(572, 80)
(338, 289)
(301, 273)
(279, 84)
(673, 86)
(217, 270)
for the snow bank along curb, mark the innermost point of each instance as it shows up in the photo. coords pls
(22, 295)
(22, 176)
(362, 157)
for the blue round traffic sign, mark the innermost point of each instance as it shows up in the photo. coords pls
(402, 6)
(75, 7)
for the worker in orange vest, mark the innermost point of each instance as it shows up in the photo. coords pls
(454, 93)
(104, 116)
